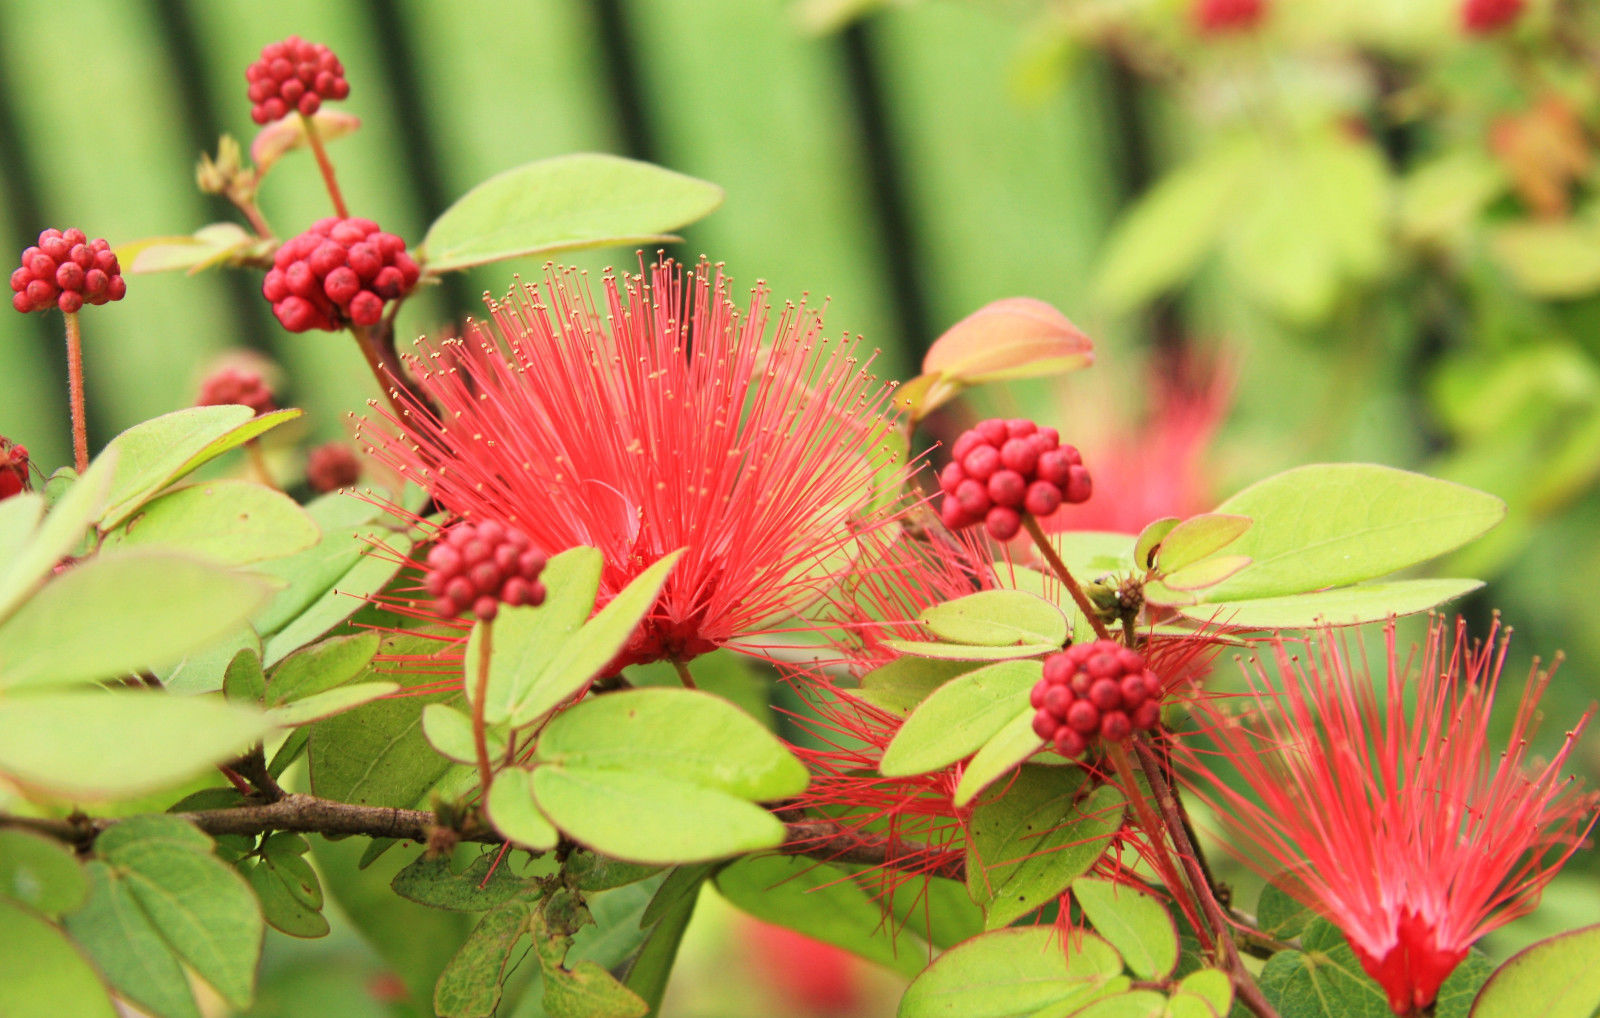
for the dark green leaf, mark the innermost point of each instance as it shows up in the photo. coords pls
(472, 983)
(41, 974)
(820, 901)
(564, 204)
(117, 935)
(280, 907)
(584, 990)
(1026, 846)
(959, 717)
(1323, 980)
(652, 966)
(1138, 926)
(326, 704)
(597, 873)
(1013, 973)
(1278, 915)
(481, 886)
(40, 873)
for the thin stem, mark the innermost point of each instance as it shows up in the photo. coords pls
(80, 429)
(314, 139)
(1199, 884)
(252, 213)
(683, 673)
(258, 463)
(373, 349)
(1048, 550)
(480, 690)
(1149, 822)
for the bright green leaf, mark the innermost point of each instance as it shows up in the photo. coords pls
(1137, 925)
(580, 657)
(679, 734)
(450, 732)
(41, 974)
(59, 535)
(1336, 523)
(320, 667)
(120, 614)
(369, 571)
(959, 717)
(997, 618)
(327, 704)
(1025, 847)
(525, 636)
(1197, 537)
(231, 523)
(563, 204)
(1013, 973)
(907, 681)
(819, 901)
(514, 813)
(1010, 746)
(205, 670)
(1150, 539)
(651, 819)
(1550, 259)
(1555, 978)
(1342, 606)
(143, 741)
(1207, 993)
(115, 932)
(1127, 1004)
(40, 873)
(1207, 572)
(969, 652)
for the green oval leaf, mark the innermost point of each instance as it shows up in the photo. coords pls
(580, 657)
(959, 717)
(679, 734)
(1025, 847)
(1342, 606)
(41, 974)
(998, 618)
(514, 814)
(1137, 925)
(1014, 973)
(431, 880)
(144, 741)
(1208, 572)
(1555, 978)
(40, 873)
(229, 522)
(57, 536)
(320, 667)
(1150, 539)
(564, 204)
(1195, 538)
(281, 909)
(525, 636)
(969, 651)
(449, 731)
(120, 614)
(652, 819)
(1332, 524)
(1207, 993)
(328, 703)
(367, 571)
(907, 681)
(1010, 746)
(115, 932)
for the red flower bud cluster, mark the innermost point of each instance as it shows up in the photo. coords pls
(477, 566)
(1217, 17)
(293, 75)
(68, 270)
(234, 384)
(13, 469)
(1002, 469)
(1480, 17)
(1091, 690)
(339, 272)
(331, 467)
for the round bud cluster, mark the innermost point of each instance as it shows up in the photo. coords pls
(13, 469)
(331, 467)
(1002, 469)
(1218, 17)
(477, 566)
(234, 384)
(68, 270)
(293, 75)
(1480, 17)
(1094, 690)
(339, 272)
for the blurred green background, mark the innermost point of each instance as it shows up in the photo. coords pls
(1382, 228)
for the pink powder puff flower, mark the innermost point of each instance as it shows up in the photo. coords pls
(662, 417)
(1413, 834)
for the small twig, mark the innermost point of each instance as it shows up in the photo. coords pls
(253, 768)
(684, 674)
(1078, 597)
(314, 139)
(80, 428)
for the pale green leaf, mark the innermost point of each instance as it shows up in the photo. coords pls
(903, 683)
(143, 741)
(1010, 746)
(1207, 572)
(997, 618)
(969, 652)
(116, 934)
(328, 703)
(959, 717)
(1206, 993)
(40, 873)
(514, 813)
(525, 636)
(678, 734)
(228, 522)
(321, 667)
(450, 732)
(1138, 926)
(204, 670)
(1150, 539)
(1336, 523)
(1127, 1004)
(652, 819)
(368, 573)
(1013, 973)
(120, 614)
(1342, 606)
(58, 535)
(41, 974)
(1552, 259)
(1195, 538)
(563, 204)
(1555, 978)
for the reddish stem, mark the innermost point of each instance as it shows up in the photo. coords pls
(80, 429)
(480, 690)
(314, 139)
(1079, 598)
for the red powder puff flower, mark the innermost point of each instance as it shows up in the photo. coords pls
(1413, 834)
(662, 417)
